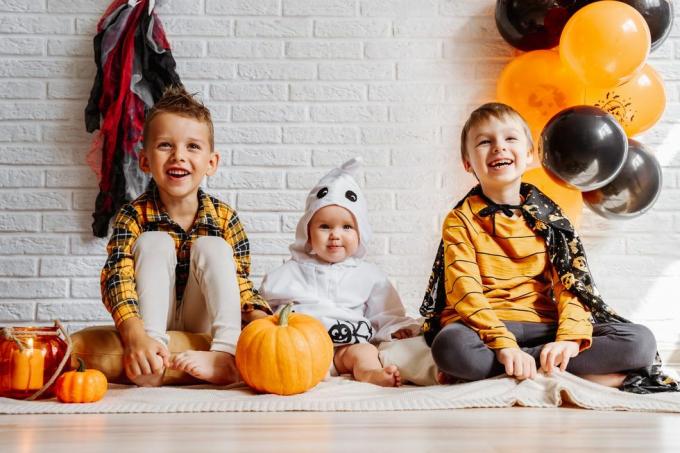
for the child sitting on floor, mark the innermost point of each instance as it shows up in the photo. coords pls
(511, 290)
(328, 279)
(178, 259)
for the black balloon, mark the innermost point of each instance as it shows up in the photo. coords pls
(534, 24)
(634, 189)
(659, 16)
(584, 146)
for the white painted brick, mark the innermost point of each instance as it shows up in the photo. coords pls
(336, 8)
(319, 134)
(426, 113)
(21, 46)
(67, 223)
(271, 157)
(349, 113)
(401, 178)
(435, 71)
(245, 49)
(244, 179)
(379, 201)
(377, 246)
(356, 71)
(86, 25)
(85, 288)
(220, 112)
(84, 200)
(22, 6)
(414, 200)
(396, 266)
(270, 245)
(473, 29)
(70, 267)
(70, 47)
(394, 222)
(180, 7)
(22, 89)
(18, 223)
(18, 267)
(289, 222)
(273, 28)
(33, 245)
(247, 134)
(20, 177)
(479, 51)
(269, 113)
(336, 156)
(76, 6)
(277, 71)
(243, 7)
(262, 264)
(326, 50)
(34, 201)
(87, 244)
(261, 223)
(405, 92)
(189, 48)
(352, 28)
(270, 202)
(327, 92)
(77, 177)
(403, 49)
(34, 111)
(21, 311)
(206, 69)
(198, 26)
(72, 311)
(304, 179)
(399, 8)
(29, 288)
(460, 8)
(403, 135)
(249, 92)
(39, 24)
(18, 133)
(408, 244)
(61, 133)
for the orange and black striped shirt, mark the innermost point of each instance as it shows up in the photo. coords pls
(214, 218)
(497, 269)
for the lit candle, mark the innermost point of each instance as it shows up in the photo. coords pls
(28, 366)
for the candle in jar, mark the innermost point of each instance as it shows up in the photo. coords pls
(28, 366)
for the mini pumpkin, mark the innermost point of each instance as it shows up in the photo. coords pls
(81, 385)
(284, 354)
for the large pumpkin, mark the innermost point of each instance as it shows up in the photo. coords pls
(81, 385)
(284, 354)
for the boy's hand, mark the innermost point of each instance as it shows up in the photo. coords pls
(402, 333)
(558, 353)
(142, 355)
(517, 363)
(247, 318)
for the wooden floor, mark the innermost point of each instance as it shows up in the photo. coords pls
(467, 430)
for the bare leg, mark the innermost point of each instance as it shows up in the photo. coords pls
(610, 380)
(362, 361)
(215, 367)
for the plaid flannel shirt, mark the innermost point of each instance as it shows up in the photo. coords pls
(214, 218)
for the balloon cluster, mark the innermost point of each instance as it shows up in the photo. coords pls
(584, 88)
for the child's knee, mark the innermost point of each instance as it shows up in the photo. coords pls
(452, 355)
(643, 347)
(154, 242)
(212, 249)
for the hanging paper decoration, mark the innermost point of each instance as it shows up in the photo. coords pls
(134, 66)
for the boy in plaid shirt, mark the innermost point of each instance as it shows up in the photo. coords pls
(178, 259)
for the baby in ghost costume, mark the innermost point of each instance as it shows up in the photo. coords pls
(327, 278)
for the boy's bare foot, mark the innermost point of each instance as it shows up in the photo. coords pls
(385, 377)
(610, 380)
(212, 366)
(147, 380)
(443, 378)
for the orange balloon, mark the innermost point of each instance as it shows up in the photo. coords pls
(538, 86)
(570, 200)
(638, 104)
(605, 43)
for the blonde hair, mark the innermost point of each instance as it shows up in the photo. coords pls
(177, 100)
(484, 113)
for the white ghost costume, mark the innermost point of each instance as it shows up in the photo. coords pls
(353, 299)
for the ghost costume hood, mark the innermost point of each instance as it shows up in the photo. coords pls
(337, 187)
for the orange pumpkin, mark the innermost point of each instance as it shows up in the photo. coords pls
(81, 386)
(284, 354)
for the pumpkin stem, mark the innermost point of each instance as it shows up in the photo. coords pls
(283, 316)
(81, 365)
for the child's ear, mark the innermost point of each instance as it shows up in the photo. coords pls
(467, 166)
(144, 162)
(212, 163)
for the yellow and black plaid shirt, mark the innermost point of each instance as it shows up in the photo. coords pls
(214, 218)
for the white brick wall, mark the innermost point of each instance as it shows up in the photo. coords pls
(296, 87)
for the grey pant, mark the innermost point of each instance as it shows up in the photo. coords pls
(460, 353)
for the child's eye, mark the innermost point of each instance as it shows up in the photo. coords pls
(194, 147)
(324, 226)
(164, 145)
(347, 227)
(483, 142)
(511, 139)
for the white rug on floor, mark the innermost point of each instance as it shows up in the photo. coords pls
(343, 394)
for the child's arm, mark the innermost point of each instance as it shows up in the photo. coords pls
(387, 315)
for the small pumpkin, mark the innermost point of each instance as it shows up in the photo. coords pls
(81, 385)
(284, 354)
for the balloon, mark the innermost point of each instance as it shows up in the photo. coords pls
(533, 24)
(538, 85)
(659, 17)
(633, 191)
(638, 104)
(584, 146)
(605, 43)
(570, 200)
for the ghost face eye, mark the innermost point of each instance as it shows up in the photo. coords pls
(322, 192)
(351, 196)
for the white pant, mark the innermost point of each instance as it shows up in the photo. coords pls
(211, 301)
